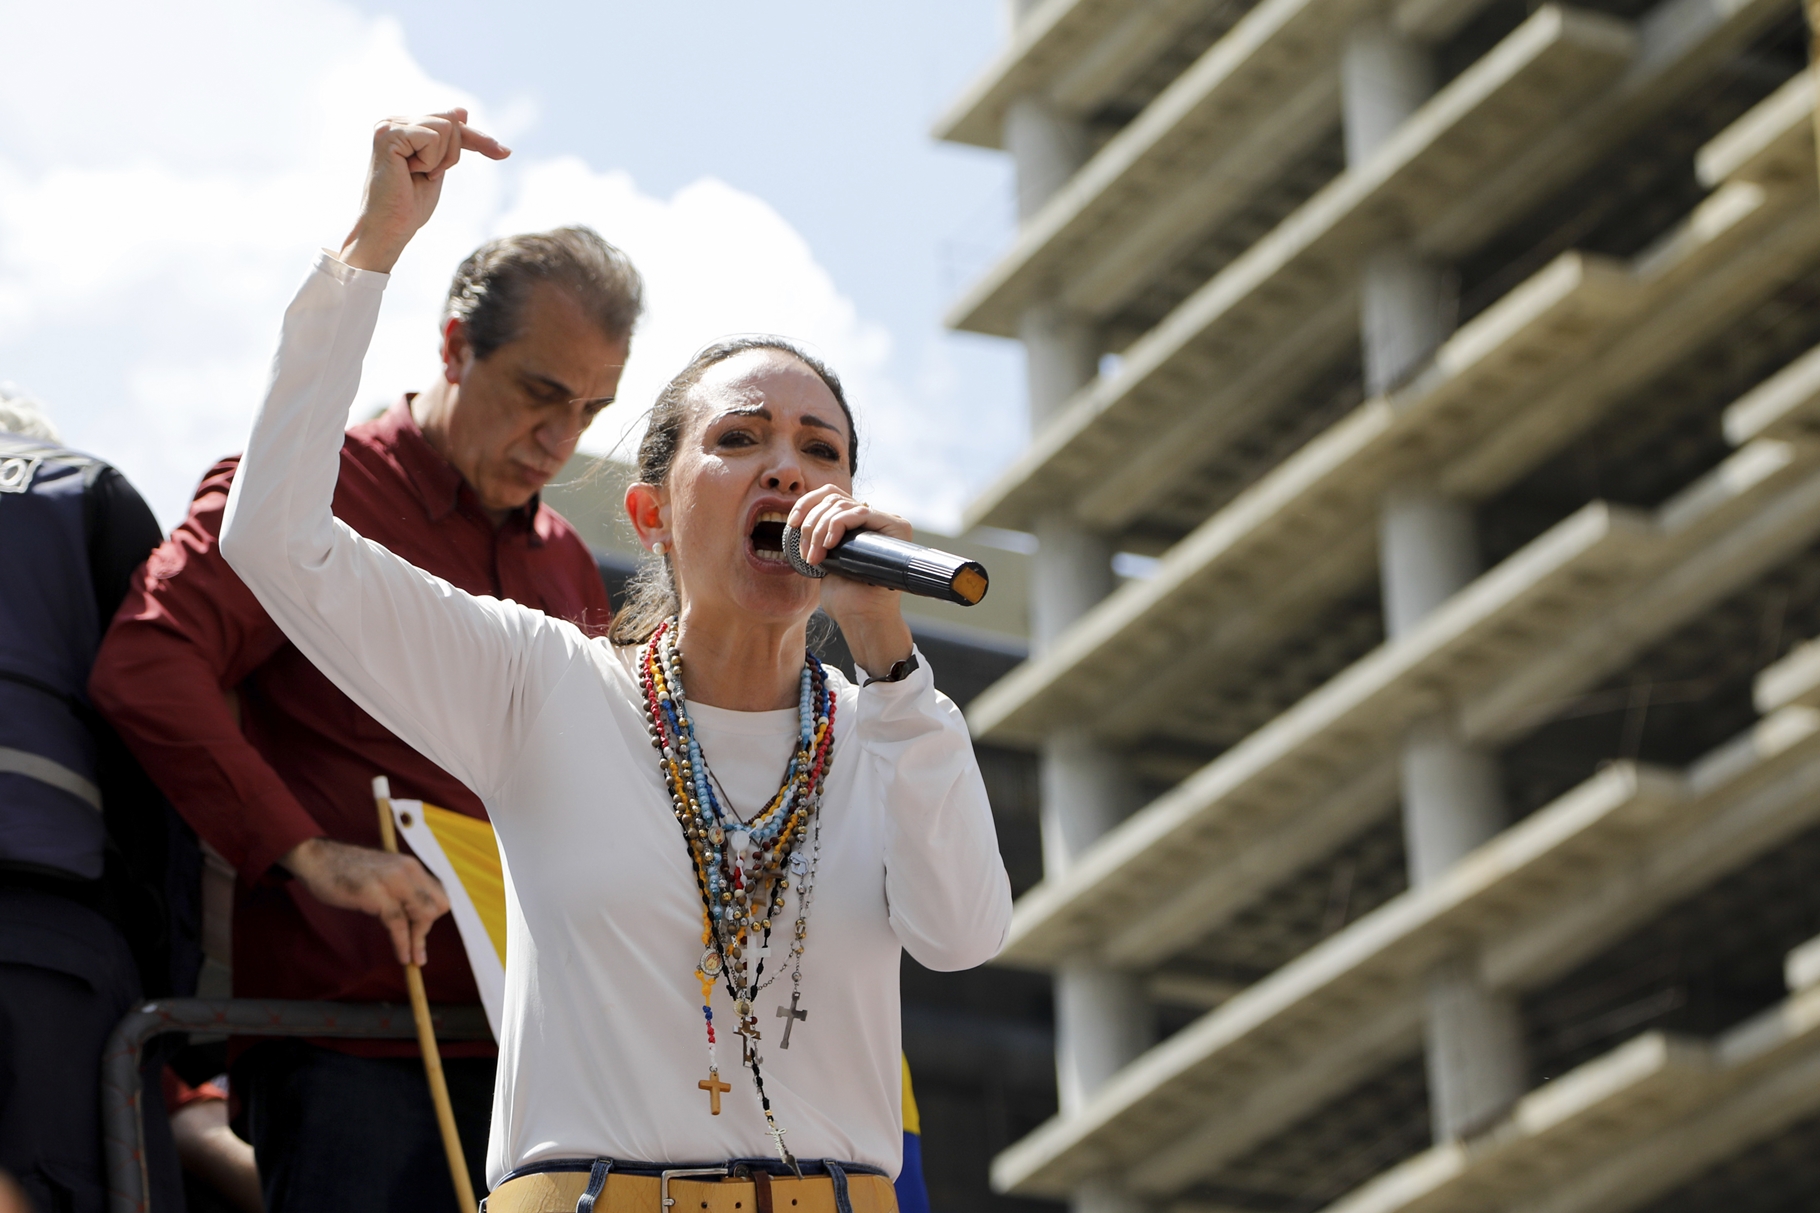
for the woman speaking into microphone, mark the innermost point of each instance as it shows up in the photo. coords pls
(715, 846)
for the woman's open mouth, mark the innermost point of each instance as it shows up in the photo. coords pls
(768, 536)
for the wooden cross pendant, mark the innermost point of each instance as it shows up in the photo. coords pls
(714, 1087)
(790, 1015)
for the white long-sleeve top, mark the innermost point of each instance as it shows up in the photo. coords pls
(602, 1042)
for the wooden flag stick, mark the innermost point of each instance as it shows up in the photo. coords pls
(426, 1034)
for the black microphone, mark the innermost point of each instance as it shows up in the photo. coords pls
(881, 560)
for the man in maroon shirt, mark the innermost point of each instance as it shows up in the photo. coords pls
(273, 765)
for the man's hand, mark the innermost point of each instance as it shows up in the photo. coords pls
(404, 180)
(395, 889)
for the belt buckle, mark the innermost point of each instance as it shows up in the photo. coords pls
(663, 1183)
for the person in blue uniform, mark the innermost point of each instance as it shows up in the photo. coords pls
(79, 830)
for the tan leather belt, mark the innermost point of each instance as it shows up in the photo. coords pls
(558, 1192)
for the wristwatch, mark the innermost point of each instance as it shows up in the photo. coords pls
(898, 672)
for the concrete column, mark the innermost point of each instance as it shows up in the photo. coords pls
(1102, 1022)
(1047, 147)
(1403, 304)
(1086, 791)
(1103, 1019)
(1452, 797)
(1427, 549)
(1406, 310)
(1452, 802)
(1476, 1063)
(1384, 78)
(1061, 354)
(1069, 574)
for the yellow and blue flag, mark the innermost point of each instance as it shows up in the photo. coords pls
(912, 1191)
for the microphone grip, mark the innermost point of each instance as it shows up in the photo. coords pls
(895, 564)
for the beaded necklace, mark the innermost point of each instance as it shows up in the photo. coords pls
(743, 868)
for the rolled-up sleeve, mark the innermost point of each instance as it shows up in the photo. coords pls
(945, 886)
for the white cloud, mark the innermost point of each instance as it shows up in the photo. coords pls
(166, 171)
(718, 261)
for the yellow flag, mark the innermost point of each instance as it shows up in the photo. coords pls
(913, 1119)
(463, 853)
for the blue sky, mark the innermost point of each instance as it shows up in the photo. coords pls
(166, 170)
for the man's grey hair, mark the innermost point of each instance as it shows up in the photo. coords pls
(20, 414)
(490, 289)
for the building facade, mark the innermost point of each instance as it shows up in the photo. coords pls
(1438, 826)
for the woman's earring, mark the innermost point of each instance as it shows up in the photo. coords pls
(657, 549)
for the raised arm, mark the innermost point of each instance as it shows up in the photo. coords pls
(454, 675)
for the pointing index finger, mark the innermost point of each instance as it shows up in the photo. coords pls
(473, 140)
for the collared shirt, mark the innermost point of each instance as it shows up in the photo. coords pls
(603, 1048)
(300, 761)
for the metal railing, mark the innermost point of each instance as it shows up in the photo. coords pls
(122, 1094)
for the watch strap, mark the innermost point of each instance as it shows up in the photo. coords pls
(898, 672)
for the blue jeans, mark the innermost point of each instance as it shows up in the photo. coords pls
(358, 1134)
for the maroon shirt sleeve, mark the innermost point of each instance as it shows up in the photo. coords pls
(187, 633)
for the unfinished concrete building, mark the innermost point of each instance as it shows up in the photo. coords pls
(1438, 826)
